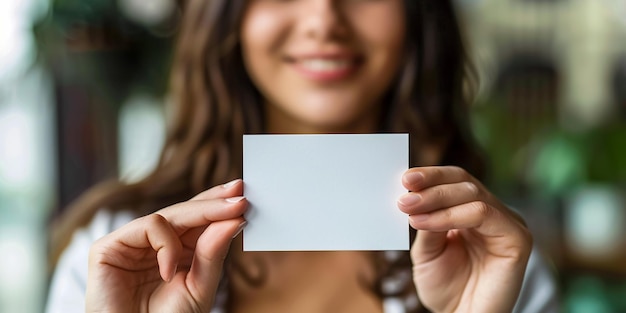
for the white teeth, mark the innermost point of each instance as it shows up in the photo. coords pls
(321, 65)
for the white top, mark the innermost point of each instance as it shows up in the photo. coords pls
(67, 288)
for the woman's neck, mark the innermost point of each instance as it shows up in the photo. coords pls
(306, 282)
(279, 122)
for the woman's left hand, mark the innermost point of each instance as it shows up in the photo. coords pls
(471, 251)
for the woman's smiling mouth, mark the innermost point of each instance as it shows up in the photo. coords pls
(327, 68)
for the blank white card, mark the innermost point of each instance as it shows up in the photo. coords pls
(325, 192)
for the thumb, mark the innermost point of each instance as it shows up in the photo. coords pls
(428, 245)
(211, 250)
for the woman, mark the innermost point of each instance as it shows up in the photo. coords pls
(304, 66)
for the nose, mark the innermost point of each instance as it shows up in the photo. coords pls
(324, 19)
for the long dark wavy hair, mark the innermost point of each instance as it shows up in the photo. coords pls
(213, 103)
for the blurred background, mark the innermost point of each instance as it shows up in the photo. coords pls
(83, 82)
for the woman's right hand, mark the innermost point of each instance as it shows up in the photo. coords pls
(168, 261)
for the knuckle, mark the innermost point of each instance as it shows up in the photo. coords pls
(461, 173)
(448, 215)
(482, 209)
(155, 219)
(431, 173)
(438, 172)
(449, 219)
(473, 189)
(441, 192)
(522, 250)
(457, 170)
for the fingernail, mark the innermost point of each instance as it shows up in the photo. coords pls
(235, 199)
(231, 183)
(240, 228)
(410, 199)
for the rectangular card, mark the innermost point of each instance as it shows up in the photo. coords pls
(325, 192)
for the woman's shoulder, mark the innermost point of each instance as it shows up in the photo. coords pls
(104, 222)
(67, 287)
(540, 291)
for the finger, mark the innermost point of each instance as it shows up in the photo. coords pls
(151, 231)
(227, 190)
(438, 197)
(211, 250)
(480, 216)
(419, 178)
(186, 215)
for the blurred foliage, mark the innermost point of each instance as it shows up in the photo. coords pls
(91, 42)
(68, 13)
(545, 159)
(590, 294)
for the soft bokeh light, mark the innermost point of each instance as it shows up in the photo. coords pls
(149, 13)
(595, 221)
(17, 157)
(142, 133)
(21, 273)
(16, 40)
(26, 160)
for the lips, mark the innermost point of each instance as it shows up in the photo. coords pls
(326, 68)
(325, 65)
